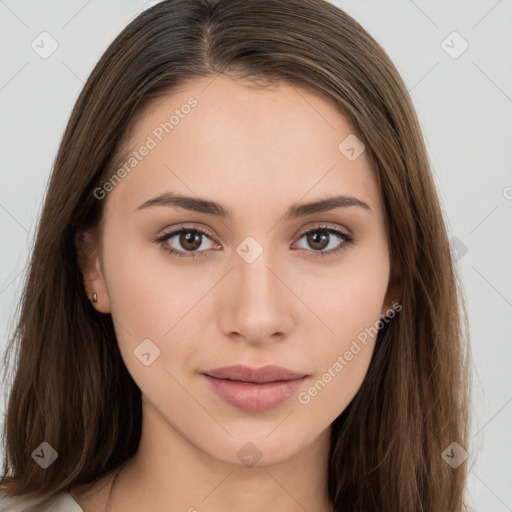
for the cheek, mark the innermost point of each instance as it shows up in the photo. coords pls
(159, 302)
(351, 309)
(149, 310)
(342, 360)
(148, 294)
(349, 297)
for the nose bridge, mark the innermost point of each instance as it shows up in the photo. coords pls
(252, 260)
(257, 281)
(257, 307)
(256, 284)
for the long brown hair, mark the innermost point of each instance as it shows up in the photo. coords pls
(70, 387)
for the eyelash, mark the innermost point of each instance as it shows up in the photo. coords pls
(347, 240)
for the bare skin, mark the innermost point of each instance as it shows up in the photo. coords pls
(258, 152)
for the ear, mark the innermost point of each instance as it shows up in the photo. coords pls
(393, 293)
(89, 264)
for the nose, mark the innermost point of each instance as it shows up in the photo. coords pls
(257, 306)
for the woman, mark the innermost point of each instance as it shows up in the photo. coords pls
(241, 294)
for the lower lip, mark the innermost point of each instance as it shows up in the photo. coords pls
(250, 396)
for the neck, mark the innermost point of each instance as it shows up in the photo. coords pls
(192, 480)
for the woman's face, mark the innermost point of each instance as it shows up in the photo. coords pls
(262, 281)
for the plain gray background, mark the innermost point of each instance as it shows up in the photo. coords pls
(464, 102)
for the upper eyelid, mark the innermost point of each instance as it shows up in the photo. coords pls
(174, 231)
(326, 226)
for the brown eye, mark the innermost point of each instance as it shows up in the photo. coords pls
(186, 242)
(318, 240)
(190, 240)
(325, 240)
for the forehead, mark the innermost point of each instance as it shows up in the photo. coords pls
(222, 138)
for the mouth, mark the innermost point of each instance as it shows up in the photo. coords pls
(254, 389)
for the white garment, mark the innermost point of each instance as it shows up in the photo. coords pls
(60, 502)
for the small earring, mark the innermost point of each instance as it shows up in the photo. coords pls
(94, 297)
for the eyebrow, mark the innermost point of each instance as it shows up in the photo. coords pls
(196, 204)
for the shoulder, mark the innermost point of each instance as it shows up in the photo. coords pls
(60, 502)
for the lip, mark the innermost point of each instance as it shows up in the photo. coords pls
(254, 389)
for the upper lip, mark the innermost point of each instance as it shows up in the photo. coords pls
(269, 373)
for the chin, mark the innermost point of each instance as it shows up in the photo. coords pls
(256, 449)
